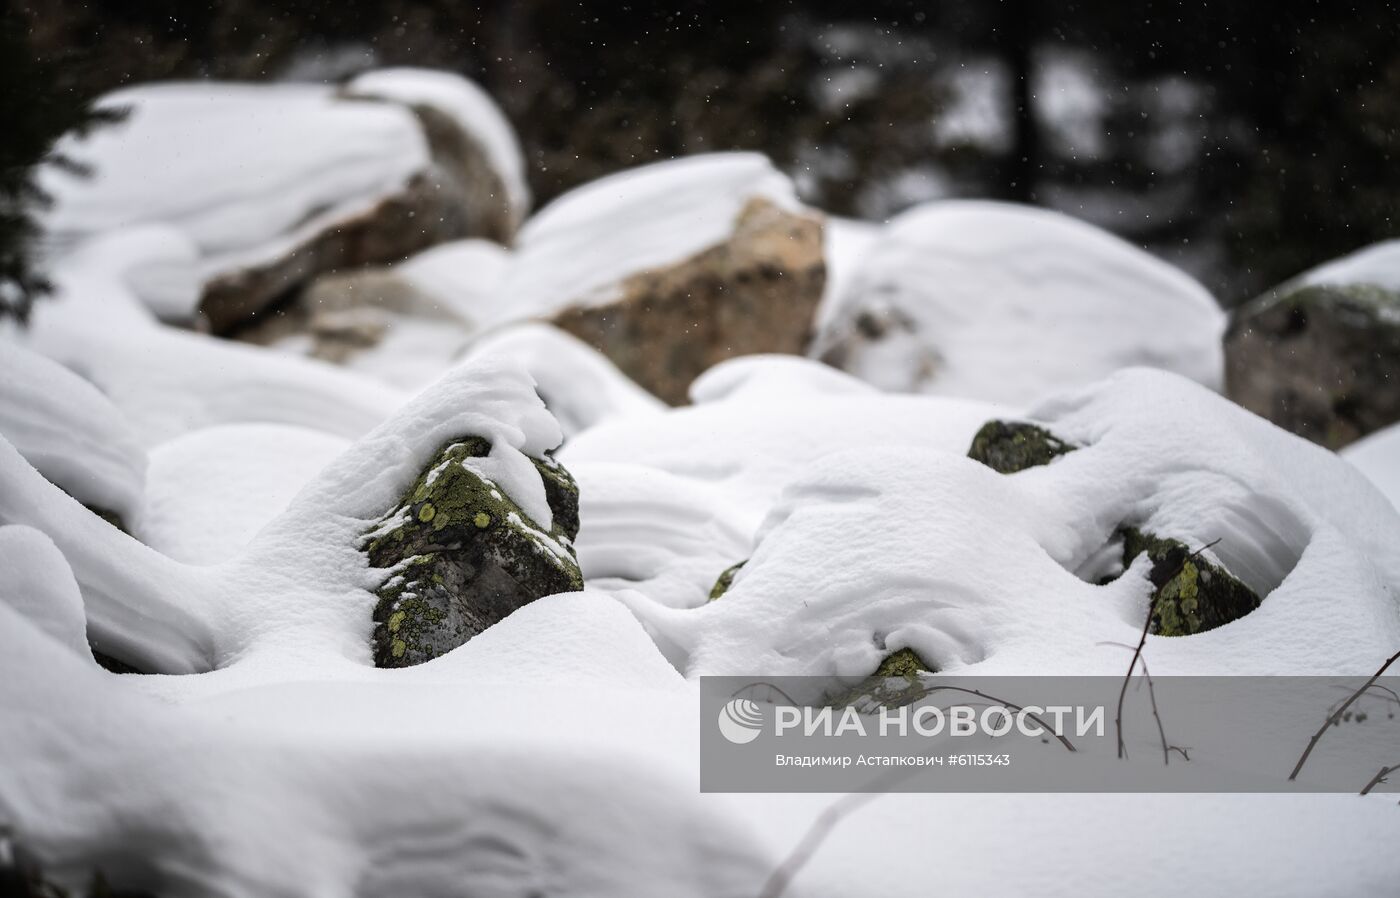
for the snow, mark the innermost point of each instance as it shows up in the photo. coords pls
(466, 104)
(167, 382)
(777, 413)
(876, 546)
(463, 275)
(1378, 264)
(846, 244)
(556, 752)
(35, 582)
(212, 490)
(579, 385)
(1378, 457)
(1006, 303)
(578, 248)
(241, 171)
(69, 431)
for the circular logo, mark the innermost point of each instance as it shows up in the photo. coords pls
(740, 720)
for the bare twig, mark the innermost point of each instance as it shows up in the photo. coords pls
(929, 690)
(1167, 748)
(816, 834)
(1380, 777)
(1162, 573)
(1336, 715)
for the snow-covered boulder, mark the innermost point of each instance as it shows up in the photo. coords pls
(1320, 355)
(674, 267)
(578, 384)
(463, 553)
(1192, 594)
(1006, 303)
(167, 381)
(476, 156)
(873, 547)
(404, 324)
(71, 434)
(272, 184)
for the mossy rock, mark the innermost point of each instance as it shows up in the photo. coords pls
(1201, 597)
(463, 555)
(897, 681)
(1011, 446)
(726, 580)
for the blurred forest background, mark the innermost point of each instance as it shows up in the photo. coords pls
(1244, 142)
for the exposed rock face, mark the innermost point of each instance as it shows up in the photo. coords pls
(949, 295)
(421, 215)
(1320, 360)
(897, 681)
(725, 580)
(1011, 446)
(1202, 596)
(345, 312)
(461, 193)
(756, 292)
(464, 555)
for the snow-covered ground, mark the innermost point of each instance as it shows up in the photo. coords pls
(556, 753)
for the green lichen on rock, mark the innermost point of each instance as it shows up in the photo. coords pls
(725, 580)
(462, 555)
(1202, 595)
(1011, 446)
(897, 681)
(904, 663)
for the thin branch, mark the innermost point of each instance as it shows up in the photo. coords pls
(1160, 576)
(1380, 777)
(1167, 748)
(1336, 715)
(929, 690)
(816, 834)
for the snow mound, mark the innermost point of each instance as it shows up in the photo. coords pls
(580, 246)
(243, 171)
(209, 492)
(36, 582)
(1378, 264)
(466, 104)
(167, 381)
(580, 386)
(777, 414)
(664, 535)
(71, 433)
(1007, 303)
(302, 581)
(1378, 457)
(875, 548)
(462, 275)
(303, 793)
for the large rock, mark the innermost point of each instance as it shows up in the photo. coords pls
(1199, 595)
(464, 555)
(1320, 355)
(675, 267)
(476, 156)
(404, 323)
(274, 184)
(1010, 446)
(1007, 303)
